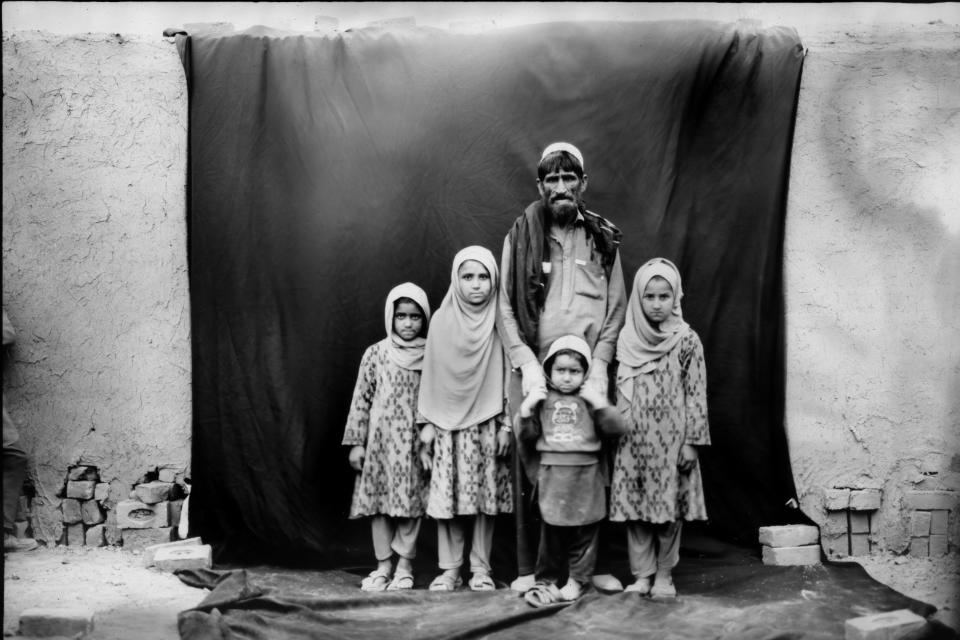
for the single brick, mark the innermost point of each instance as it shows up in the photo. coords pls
(112, 534)
(153, 492)
(859, 522)
(151, 551)
(835, 524)
(94, 536)
(61, 621)
(82, 473)
(72, 512)
(111, 517)
(836, 499)
(91, 512)
(139, 539)
(835, 545)
(117, 493)
(167, 475)
(23, 508)
(792, 535)
(938, 521)
(81, 489)
(785, 556)
(920, 524)
(859, 544)
(133, 514)
(882, 626)
(176, 506)
(919, 547)
(865, 500)
(191, 557)
(938, 545)
(930, 500)
(75, 537)
(101, 491)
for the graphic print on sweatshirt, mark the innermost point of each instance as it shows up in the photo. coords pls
(564, 423)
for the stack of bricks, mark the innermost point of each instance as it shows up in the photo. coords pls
(929, 521)
(83, 507)
(151, 514)
(95, 513)
(792, 544)
(849, 522)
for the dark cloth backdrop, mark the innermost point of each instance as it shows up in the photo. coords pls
(324, 170)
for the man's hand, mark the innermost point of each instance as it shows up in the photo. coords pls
(532, 377)
(357, 452)
(596, 399)
(530, 402)
(597, 378)
(504, 437)
(427, 434)
(688, 458)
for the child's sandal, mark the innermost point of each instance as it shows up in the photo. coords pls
(482, 582)
(402, 580)
(376, 581)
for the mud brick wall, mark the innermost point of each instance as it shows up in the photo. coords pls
(94, 259)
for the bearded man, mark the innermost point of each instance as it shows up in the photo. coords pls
(560, 275)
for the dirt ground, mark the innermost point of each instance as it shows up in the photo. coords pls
(131, 601)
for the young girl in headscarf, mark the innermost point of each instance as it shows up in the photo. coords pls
(466, 433)
(382, 434)
(662, 394)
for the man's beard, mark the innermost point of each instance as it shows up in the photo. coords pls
(564, 211)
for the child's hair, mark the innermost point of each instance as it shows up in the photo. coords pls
(399, 301)
(548, 363)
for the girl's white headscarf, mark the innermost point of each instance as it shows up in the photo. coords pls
(462, 381)
(640, 346)
(407, 354)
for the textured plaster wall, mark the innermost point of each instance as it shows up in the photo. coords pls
(873, 270)
(94, 257)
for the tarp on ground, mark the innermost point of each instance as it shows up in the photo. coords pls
(725, 593)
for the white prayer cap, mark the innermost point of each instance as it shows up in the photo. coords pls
(563, 146)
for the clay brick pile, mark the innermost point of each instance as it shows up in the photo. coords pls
(929, 521)
(97, 513)
(849, 524)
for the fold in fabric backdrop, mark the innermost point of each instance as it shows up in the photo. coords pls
(324, 170)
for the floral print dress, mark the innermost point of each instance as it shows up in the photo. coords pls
(382, 419)
(668, 410)
(467, 477)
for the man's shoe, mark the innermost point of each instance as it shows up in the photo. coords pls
(524, 583)
(607, 583)
(12, 544)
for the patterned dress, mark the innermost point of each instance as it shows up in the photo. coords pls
(668, 409)
(467, 477)
(382, 419)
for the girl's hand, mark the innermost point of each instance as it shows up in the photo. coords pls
(426, 457)
(357, 453)
(535, 397)
(596, 399)
(504, 437)
(427, 435)
(688, 458)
